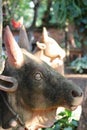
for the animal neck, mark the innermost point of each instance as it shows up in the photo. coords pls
(31, 119)
(8, 116)
(25, 118)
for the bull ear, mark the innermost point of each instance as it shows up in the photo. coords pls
(41, 46)
(23, 39)
(8, 84)
(15, 56)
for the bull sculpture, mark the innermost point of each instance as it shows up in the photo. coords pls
(47, 49)
(31, 91)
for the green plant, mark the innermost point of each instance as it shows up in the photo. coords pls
(60, 11)
(65, 123)
(79, 64)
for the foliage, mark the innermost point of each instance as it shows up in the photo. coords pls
(16, 9)
(77, 39)
(65, 123)
(73, 10)
(60, 11)
(25, 9)
(41, 10)
(80, 64)
(82, 20)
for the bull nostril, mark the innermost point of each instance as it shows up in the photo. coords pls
(76, 94)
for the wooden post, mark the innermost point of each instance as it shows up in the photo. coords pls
(0, 26)
(1, 58)
(83, 119)
(66, 42)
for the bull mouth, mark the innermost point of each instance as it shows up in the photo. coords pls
(78, 101)
(73, 107)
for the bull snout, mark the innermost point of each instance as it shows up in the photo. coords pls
(76, 95)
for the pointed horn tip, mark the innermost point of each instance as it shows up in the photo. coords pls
(44, 29)
(22, 27)
(7, 28)
(7, 33)
(45, 32)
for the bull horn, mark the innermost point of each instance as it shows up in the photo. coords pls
(15, 56)
(8, 84)
(23, 39)
(44, 34)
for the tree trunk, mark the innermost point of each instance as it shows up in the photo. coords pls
(36, 5)
(1, 58)
(33, 25)
(83, 119)
(0, 26)
(47, 17)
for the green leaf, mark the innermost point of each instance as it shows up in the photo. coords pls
(68, 128)
(84, 2)
(68, 112)
(57, 127)
(74, 122)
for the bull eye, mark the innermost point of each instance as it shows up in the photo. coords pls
(38, 76)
